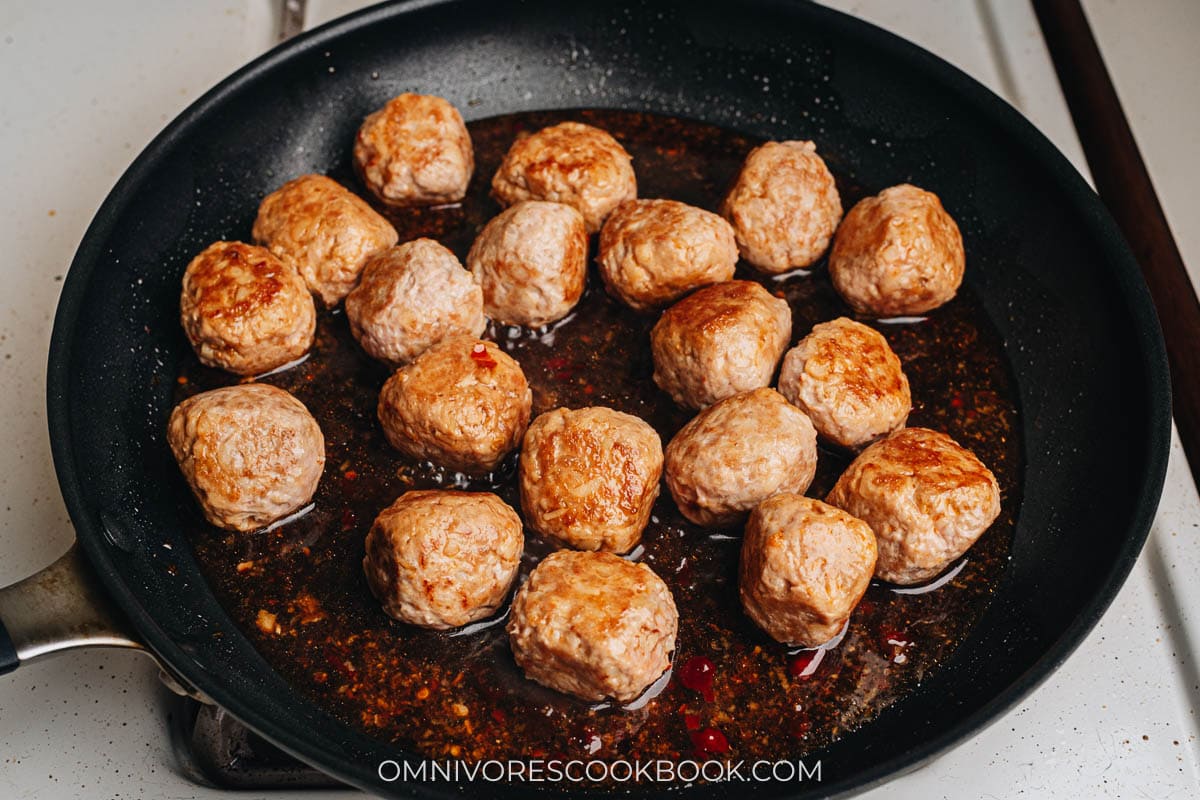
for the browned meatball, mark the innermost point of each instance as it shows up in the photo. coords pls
(570, 163)
(897, 253)
(845, 376)
(442, 559)
(325, 231)
(463, 404)
(653, 252)
(244, 310)
(784, 206)
(737, 453)
(589, 477)
(593, 625)
(719, 341)
(411, 297)
(251, 453)
(805, 565)
(927, 499)
(531, 261)
(415, 151)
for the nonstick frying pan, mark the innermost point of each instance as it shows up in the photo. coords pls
(1049, 266)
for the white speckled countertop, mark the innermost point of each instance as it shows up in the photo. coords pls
(86, 85)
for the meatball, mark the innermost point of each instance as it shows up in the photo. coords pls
(784, 206)
(415, 151)
(737, 453)
(719, 341)
(653, 252)
(324, 230)
(927, 499)
(442, 559)
(463, 404)
(531, 261)
(570, 163)
(897, 253)
(804, 567)
(244, 310)
(593, 625)
(411, 297)
(589, 477)
(849, 382)
(251, 453)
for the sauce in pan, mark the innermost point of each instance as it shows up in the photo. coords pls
(299, 593)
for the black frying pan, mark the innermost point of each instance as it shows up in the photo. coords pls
(1050, 267)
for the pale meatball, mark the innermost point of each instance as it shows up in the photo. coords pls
(784, 206)
(244, 310)
(324, 230)
(719, 341)
(531, 262)
(737, 453)
(804, 567)
(593, 625)
(589, 477)
(927, 499)
(415, 151)
(845, 376)
(653, 252)
(410, 298)
(573, 163)
(252, 453)
(898, 253)
(463, 404)
(443, 559)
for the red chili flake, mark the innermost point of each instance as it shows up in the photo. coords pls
(697, 674)
(481, 356)
(498, 715)
(894, 642)
(691, 722)
(350, 475)
(709, 742)
(956, 401)
(800, 727)
(349, 519)
(805, 664)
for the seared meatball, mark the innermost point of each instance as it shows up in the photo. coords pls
(589, 477)
(927, 499)
(570, 163)
(784, 206)
(849, 382)
(463, 404)
(531, 261)
(653, 252)
(251, 453)
(244, 310)
(593, 625)
(442, 559)
(411, 297)
(719, 341)
(804, 567)
(897, 253)
(415, 151)
(737, 453)
(325, 231)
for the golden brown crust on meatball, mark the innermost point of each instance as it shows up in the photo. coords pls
(589, 477)
(415, 151)
(411, 297)
(897, 253)
(442, 559)
(804, 567)
(593, 625)
(463, 404)
(737, 453)
(326, 231)
(244, 310)
(784, 206)
(845, 376)
(531, 261)
(653, 252)
(573, 163)
(252, 453)
(719, 341)
(927, 498)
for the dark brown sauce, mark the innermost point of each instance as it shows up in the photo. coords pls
(460, 695)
